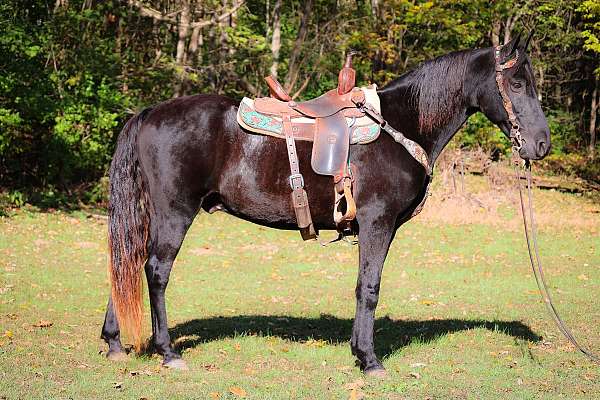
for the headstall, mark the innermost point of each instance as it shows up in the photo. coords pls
(515, 129)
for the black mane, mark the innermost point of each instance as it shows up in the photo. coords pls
(436, 88)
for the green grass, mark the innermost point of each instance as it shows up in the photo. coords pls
(257, 309)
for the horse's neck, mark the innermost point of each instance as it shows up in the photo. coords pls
(400, 108)
(446, 133)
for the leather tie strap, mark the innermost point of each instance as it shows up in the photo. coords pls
(299, 196)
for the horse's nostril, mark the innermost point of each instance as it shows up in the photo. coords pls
(542, 147)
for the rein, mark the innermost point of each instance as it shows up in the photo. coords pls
(536, 264)
(530, 229)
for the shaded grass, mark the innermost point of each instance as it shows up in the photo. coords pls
(255, 308)
(391, 335)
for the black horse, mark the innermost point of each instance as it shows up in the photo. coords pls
(189, 153)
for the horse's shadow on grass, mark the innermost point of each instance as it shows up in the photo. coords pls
(390, 335)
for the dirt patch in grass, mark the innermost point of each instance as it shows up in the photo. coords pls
(497, 204)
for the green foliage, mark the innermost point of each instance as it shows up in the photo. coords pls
(72, 74)
(10, 122)
(86, 125)
(480, 132)
(17, 198)
(563, 130)
(590, 10)
(572, 164)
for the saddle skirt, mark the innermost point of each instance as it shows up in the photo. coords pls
(363, 129)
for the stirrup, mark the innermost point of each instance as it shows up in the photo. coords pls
(344, 210)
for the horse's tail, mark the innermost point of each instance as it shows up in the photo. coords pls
(128, 229)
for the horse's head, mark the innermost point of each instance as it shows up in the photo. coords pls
(510, 100)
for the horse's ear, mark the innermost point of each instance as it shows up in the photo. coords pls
(526, 45)
(509, 49)
(514, 43)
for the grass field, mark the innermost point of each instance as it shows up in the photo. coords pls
(260, 315)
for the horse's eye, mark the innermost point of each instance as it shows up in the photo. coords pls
(517, 85)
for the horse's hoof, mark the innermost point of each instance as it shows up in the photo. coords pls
(119, 356)
(376, 372)
(176, 363)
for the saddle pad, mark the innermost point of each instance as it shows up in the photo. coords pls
(362, 130)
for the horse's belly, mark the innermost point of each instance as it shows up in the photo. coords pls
(254, 183)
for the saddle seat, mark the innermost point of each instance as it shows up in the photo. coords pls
(326, 105)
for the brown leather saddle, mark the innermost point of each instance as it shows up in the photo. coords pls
(323, 121)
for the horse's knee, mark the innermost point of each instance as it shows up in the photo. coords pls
(368, 294)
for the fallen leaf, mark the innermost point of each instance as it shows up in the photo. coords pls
(357, 384)
(8, 334)
(201, 251)
(582, 277)
(356, 395)
(210, 367)
(417, 365)
(43, 324)
(237, 391)
(427, 302)
(142, 372)
(86, 245)
(415, 375)
(215, 395)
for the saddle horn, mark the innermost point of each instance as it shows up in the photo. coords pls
(347, 75)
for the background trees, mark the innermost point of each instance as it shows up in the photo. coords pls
(72, 71)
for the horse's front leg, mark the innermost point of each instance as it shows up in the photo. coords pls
(374, 239)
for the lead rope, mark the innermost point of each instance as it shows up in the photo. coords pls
(536, 265)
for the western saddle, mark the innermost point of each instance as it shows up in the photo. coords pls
(332, 122)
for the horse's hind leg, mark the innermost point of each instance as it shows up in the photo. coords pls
(168, 231)
(111, 334)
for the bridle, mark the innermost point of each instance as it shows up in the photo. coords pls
(530, 229)
(515, 128)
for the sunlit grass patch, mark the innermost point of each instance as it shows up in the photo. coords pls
(257, 310)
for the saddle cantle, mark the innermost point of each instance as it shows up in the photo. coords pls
(333, 121)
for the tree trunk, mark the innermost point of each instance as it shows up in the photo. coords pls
(507, 28)
(193, 46)
(593, 114)
(183, 30)
(276, 38)
(495, 35)
(540, 82)
(375, 8)
(294, 66)
(60, 3)
(119, 51)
